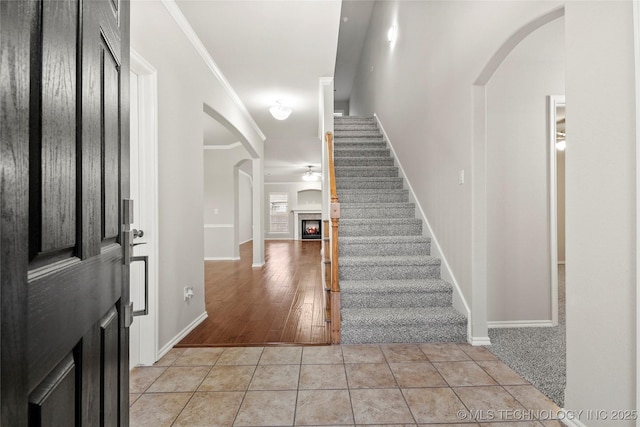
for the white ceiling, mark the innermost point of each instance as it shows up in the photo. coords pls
(270, 50)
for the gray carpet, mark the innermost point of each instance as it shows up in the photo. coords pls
(391, 289)
(537, 354)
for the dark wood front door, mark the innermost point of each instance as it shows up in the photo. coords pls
(64, 69)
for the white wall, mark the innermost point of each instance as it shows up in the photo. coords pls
(184, 85)
(421, 89)
(291, 189)
(245, 208)
(600, 208)
(220, 195)
(518, 247)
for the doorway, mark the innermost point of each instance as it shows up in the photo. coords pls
(143, 338)
(557, 145)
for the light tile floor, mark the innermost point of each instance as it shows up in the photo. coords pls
(349, 385)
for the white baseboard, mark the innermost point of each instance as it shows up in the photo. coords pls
(222, 258)
(520, 324)
(459, 302)
(571, 418)
(476, 341)
(164, 350)
(257, 265)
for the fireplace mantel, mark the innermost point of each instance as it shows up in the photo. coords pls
(309, 214)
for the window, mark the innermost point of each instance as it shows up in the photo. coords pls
(279, 213)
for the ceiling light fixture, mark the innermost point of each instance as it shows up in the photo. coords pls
(279, 111)
(392, 34)
(310, 175)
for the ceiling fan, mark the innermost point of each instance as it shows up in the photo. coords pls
(310, 175)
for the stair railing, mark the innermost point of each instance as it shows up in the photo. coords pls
(334, 214)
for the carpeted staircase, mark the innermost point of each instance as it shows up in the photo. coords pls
(391, 289)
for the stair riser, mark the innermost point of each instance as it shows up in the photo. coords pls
(385, 249)
(396, 212)
(388, 272)
(341, 139)
(371, 145)
(361, 152)
(382, 197)
(374, 133)
(351, 127)
(380, 230)
(404, 334)
(344, 172)
(352, 184)
(373, 162)
(395, 300)
(351, 119)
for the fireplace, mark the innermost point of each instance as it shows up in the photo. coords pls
(311, 229)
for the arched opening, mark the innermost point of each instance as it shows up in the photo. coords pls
(479, 325)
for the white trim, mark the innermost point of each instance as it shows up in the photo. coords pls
(257, 265)
(477, 341)
(570, 418)
(498, 324)
(248, 175)
(552, 103)
(248, 240)
(186, 331)
(636, 34)
(218, 226)
(223, 147)
(479, 261)
(148, 108)
(458, 298)
(188, 31)
(222, 258)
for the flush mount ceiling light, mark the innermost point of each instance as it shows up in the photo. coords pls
(280, 111)
(309, 175)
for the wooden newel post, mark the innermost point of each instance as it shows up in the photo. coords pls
(334, 213)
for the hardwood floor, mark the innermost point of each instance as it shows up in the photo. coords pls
(280, 303)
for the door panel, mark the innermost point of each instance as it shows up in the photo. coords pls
(64, 336)
(57, 154)
(110, 145)
(55, 398)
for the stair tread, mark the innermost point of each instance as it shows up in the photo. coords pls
(379, 204)
(394, 286)
(366, 167)
(352, 221)
(383, 239)
(411, 316)
(399, 260)
(371, 178)
(372, 190)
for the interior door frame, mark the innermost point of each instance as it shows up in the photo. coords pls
(552, 103)
(148, 164)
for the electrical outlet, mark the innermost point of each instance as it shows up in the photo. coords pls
(188, 292)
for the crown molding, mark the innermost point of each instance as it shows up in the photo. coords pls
(188, 31)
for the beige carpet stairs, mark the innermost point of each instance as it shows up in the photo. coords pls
(391, 290)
